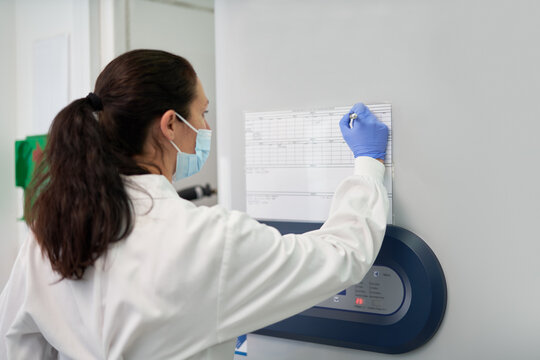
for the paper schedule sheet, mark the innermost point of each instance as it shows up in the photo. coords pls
(295, 161)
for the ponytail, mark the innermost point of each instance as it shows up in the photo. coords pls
(77, 204)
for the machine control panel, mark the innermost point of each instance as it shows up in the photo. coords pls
(380, 292)
(397, 307)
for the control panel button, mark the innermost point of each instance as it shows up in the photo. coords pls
(380, 292)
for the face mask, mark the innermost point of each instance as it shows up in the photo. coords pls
(189, 164)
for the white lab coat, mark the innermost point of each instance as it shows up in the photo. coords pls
(189, 280)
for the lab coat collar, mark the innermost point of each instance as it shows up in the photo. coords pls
(157, 186)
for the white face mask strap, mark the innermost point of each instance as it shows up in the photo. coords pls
(176, 147)
(185, 121)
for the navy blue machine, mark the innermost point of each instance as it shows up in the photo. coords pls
(397, 307)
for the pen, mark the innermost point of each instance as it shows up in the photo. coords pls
(352, 117)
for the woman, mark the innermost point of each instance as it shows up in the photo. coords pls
(119, 267)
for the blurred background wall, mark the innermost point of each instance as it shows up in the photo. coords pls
(8, 86)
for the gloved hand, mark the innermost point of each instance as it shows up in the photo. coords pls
(368, 136)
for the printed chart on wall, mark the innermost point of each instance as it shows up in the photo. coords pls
(295, 161)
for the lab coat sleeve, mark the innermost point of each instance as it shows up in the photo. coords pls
(20, 337)
(267, 277)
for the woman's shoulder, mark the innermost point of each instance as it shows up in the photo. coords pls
(148, 185)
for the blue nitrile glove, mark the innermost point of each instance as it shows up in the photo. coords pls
(368, 136)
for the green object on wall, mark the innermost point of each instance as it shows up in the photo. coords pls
(27, 152)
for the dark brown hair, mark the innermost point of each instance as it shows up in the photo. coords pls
(77, 204)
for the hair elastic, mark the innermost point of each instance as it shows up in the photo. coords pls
(94, 101)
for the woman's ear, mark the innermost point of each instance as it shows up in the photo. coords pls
(167, 124)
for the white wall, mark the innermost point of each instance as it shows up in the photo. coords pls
(188, 32)
(8, 194)
(37, 20)
(463, 80)
(23, 22)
